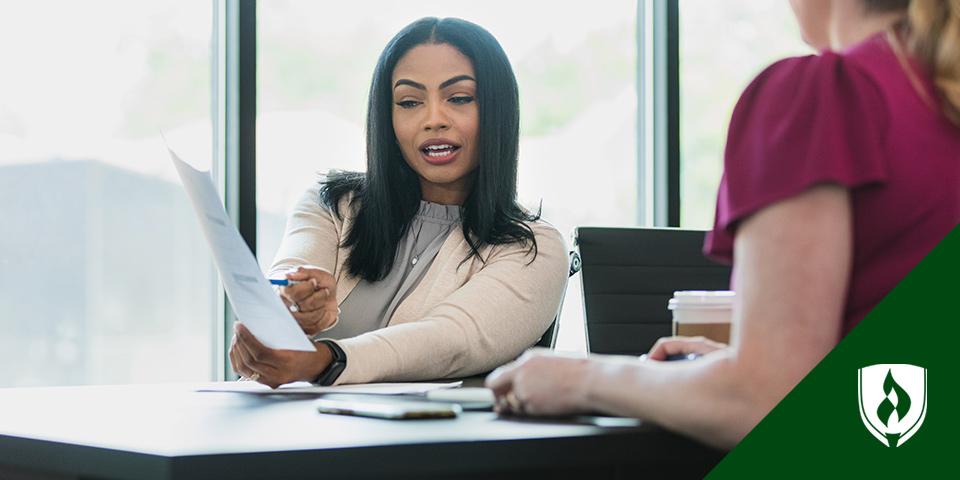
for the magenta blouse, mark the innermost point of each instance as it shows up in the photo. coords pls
(854, 119)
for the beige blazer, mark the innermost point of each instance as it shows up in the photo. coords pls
(460, 320)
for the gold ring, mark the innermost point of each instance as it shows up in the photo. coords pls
(255, 376)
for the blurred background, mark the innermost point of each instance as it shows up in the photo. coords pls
(104, 274)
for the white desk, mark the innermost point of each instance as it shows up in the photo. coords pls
(174, 432)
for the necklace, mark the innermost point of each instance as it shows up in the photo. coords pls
(416, 239)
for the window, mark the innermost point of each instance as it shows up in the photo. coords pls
(105, 276)
(577, 73)
(723, 46)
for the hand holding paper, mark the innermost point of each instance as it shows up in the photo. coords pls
(256, 304)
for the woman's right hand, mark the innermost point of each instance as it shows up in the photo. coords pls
(313, 301)
(667, 346)
(539, 383)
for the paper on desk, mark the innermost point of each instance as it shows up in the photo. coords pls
(253, 299)
(307, 388)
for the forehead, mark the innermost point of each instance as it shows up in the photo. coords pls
(433, 61)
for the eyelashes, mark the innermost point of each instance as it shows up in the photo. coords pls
(459, 100)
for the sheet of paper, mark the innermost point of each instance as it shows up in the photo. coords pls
(253, 299)
(307, 388)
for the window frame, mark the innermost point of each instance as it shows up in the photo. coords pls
(658, 127)
(235, 124)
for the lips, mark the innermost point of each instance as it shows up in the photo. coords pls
(439, 151)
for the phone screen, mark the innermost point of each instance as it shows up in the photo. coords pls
(385, 407)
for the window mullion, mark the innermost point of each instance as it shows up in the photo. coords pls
(236, 117)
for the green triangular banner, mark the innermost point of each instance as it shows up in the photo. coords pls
(817, 430)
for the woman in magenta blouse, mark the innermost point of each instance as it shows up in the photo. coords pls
(842, 171)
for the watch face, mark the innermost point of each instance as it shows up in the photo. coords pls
(331, 374)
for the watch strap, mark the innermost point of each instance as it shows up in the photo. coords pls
(333, 371)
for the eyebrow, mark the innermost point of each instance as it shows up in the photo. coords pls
(420, 86)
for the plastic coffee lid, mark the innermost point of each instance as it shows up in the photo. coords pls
(701, 299)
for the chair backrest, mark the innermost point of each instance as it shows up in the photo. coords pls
(629, 274)
(549, 338)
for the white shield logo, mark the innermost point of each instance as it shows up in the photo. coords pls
(893, 401)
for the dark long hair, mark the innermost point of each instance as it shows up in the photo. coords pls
(387, 196)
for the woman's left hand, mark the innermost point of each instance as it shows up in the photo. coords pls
(272, 367)
(312, 301)
(541, 384)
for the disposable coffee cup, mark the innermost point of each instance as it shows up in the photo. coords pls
(705, 313)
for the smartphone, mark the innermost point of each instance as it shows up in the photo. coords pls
(385, 406)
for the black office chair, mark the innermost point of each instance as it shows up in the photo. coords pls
(629, 274)
(549, 338)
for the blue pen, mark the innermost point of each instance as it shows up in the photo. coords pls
(283, 282)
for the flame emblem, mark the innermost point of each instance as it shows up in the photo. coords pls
(887, 408)
(888, 411)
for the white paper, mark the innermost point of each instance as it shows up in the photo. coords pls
(253, 299)
(307, 388)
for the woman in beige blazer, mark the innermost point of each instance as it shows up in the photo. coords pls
(424, 266)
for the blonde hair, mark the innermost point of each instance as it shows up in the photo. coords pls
(933, 38)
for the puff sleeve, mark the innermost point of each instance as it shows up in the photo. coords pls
(802, 122)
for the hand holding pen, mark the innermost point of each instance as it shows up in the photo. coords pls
(310, 293)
